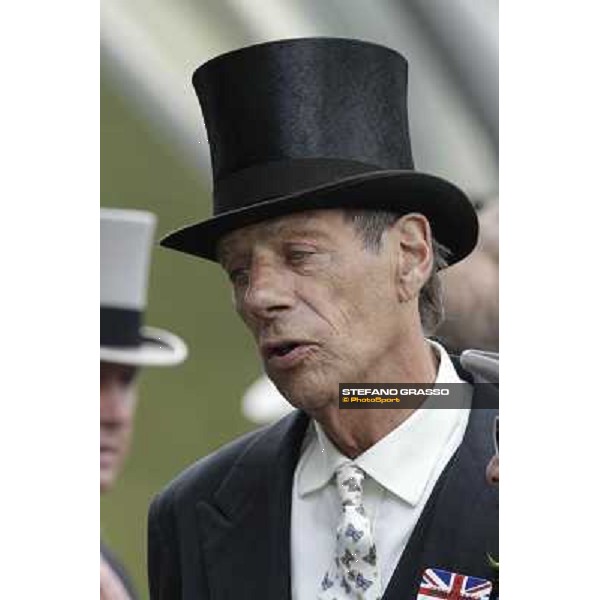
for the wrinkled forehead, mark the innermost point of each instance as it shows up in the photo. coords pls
(315, 224)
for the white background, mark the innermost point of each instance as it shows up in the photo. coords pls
(49, 199)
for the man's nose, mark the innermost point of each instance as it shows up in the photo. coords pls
(115, 404)
(269, 292)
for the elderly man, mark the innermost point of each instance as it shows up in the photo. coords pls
(125, 346)
(332, 242)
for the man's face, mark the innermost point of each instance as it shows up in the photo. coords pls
(117, 409)
(321, 307)
(492, 472)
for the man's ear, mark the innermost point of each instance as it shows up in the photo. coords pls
(414, 256)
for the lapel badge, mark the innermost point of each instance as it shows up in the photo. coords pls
(437, 583)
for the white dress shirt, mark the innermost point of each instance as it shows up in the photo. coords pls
(401, 471)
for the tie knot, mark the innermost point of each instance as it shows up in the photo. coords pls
(349, 480)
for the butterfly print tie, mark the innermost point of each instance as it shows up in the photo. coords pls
(354, 572)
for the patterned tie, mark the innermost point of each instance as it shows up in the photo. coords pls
(354, 572)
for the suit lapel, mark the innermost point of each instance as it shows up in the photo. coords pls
(465, 525)
(459, 524)
(246, 531)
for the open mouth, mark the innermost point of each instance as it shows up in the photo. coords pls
(287, 353)
(107, 449)
(107, 457)
(284, 349)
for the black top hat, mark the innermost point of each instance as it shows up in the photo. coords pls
(314, 123)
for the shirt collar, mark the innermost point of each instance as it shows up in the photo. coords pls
(403, 460)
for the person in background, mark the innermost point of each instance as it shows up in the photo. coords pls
(485, 367)
(471, 291)
(492, 471)
(125, 346)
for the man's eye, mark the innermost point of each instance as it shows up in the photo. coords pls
(238, 277)
(128, 378)
(299, 256)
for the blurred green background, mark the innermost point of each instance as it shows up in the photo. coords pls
(187, 411)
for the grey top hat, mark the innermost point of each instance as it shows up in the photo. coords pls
(125, 249)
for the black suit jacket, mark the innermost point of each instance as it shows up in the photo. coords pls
(221, 530)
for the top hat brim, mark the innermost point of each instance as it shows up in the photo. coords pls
(450, 213)
(157, 348)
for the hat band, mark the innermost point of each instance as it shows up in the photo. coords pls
(120, 327)
(281, 178)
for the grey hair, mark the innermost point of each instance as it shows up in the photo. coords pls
(370, 225)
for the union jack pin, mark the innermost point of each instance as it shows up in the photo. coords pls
(437, 583)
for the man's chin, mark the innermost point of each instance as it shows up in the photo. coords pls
(107, 480)
(307, 397)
